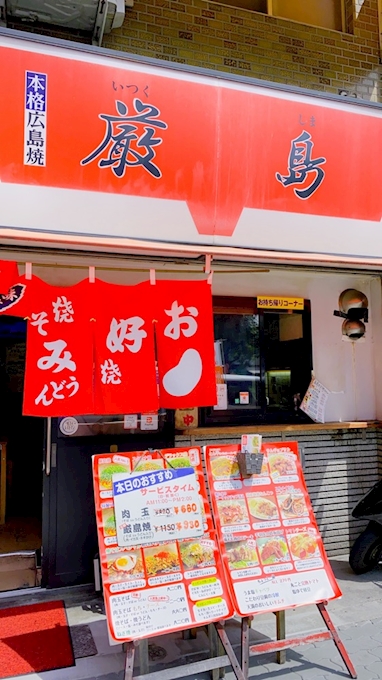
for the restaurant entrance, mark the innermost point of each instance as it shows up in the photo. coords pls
(22, 441)
(47, 529)
(69, 528)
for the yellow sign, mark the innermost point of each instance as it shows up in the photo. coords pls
(278, 302)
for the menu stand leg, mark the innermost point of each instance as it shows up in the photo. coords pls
(245, 625)
(335, 637)
(144, 656)
(229, 651)
(280, 635)
(221, 653)
(129, 665)
(214, 648)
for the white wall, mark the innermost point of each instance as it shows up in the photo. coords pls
(350, 370)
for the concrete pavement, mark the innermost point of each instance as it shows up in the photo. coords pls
(357, 616)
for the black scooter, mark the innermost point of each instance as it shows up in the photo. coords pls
(366, 552)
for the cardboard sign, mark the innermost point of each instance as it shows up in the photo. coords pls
(157, 506)
(272, 550)
(160, 587)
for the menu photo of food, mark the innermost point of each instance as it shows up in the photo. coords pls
(108, 522)
(263, 506)
(273, 549)
(242, 554)
(197, 554)
(163, 559)
(107, 470)
(282, 465)
(292, 504)
(147, 464)
(178, 462)
(232, 511)
(225, 467)
(125, 565)
(303, 545)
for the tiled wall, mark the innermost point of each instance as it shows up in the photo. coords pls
(217, 36)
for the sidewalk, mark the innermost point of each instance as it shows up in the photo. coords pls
(357, 616)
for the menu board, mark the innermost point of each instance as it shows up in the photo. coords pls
(164, 586)
(271, 547)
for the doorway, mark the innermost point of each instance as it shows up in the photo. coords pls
(22, 441)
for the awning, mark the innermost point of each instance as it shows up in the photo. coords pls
(16, 238)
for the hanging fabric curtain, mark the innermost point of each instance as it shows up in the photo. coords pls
(59, 360)
(185, 344)
(125, 374)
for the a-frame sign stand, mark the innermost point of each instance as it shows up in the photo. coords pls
(219, 639)
(217, 634)
(283, 643)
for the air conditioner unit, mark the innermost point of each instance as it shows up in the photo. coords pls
(116, 13)
(110, 14)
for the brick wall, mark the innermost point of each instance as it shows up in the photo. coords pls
(216, 36)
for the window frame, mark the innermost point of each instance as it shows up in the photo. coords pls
(262, 414)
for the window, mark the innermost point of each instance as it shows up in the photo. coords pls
(264, 359)
(330, 14)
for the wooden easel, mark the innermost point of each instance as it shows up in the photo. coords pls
(281, 643)
(218, 642)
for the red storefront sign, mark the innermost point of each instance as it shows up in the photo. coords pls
(219, 149)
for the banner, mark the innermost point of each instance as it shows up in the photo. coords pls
(272, 551)
(125, 372)
(185, 344)
(91, 347)
(9, 275)
(12, 289)
(59, 360)
(159, 587)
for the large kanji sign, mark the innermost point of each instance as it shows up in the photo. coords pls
(219, 162)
